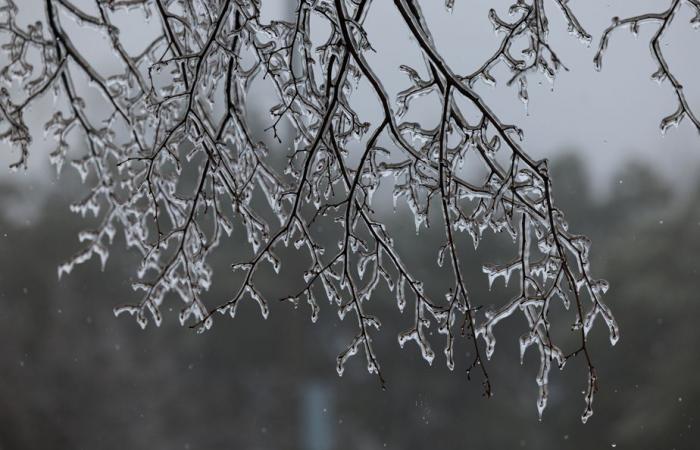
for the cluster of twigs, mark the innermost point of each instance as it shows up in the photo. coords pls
(174, 166)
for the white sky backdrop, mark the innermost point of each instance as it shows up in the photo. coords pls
(609, 117)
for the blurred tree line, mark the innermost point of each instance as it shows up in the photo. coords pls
(74, 377)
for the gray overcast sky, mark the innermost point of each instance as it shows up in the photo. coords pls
(610, 117)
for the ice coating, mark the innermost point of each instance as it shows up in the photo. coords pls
(175, 168)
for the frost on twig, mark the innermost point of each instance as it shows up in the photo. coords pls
(174, 166)
(663, 22)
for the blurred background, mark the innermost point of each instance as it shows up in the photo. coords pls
(72, 376)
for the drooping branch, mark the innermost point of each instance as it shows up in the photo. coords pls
(663, 20)
(175, 166)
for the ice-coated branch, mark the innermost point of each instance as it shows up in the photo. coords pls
(663, 21)
(171, 161)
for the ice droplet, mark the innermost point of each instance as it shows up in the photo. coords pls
(672, 120)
